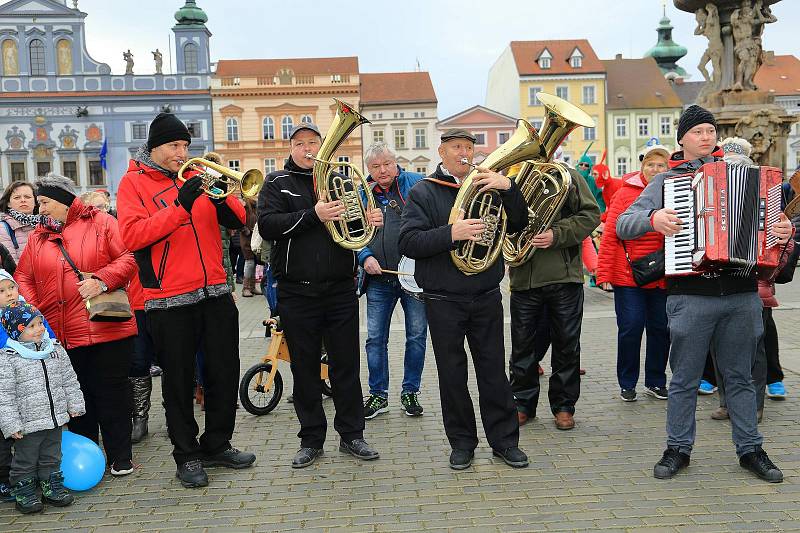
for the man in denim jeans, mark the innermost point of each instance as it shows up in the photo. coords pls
(390, 186)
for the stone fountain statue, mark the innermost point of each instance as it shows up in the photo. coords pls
(734, 30)
(128, 57)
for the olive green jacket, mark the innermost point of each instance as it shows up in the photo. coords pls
(561, 262)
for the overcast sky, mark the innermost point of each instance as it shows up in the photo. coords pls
(456, 41)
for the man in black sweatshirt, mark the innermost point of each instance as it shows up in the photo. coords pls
(460, 305)
(316, 299)
(718, 309)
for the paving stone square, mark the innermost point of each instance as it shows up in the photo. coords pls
(595, 477)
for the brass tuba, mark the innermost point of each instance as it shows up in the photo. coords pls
(545, 185)
(353, 231)
(473, 257)
(215, 175)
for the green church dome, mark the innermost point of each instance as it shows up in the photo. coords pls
(667, 52)
(191, 15)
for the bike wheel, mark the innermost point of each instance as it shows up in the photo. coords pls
(255, 399)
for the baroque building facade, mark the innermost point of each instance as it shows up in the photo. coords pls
(61, 111)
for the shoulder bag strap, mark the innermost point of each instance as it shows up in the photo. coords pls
(11, 234)
(70, 261)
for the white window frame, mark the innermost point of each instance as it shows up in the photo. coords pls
(423, 134)
(544, 63)
(287, 123)
(477, 138)
(134, 127)
(563, 89)
(232, 129)
(621, 122)
(532, 92)
(234, 164)
(643, 126)
(622, 165)
(593, 99)
(270, 165)
(590, 134)
(399, 134)
(666, 125)
(500, 140)
(378, 136)
(268, 129)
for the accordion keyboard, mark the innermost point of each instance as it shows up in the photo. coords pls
(678, 195)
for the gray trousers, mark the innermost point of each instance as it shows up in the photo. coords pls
(759, 369)
(5, 457)
(37, 454)
(731, 326)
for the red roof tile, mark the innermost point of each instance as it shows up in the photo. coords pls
(397, 88)
(779, 75)
(526, 55)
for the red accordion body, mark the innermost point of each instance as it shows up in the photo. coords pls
(727, 211)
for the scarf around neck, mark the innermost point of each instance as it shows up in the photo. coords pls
(143, 156)
(28, 350)
(31, 220)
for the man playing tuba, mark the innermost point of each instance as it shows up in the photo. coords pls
(552, 279)
(316, 298)
(460, 305)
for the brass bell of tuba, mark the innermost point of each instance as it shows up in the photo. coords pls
(215, 176)
(353, 231)
(473, 257)
(545, 185)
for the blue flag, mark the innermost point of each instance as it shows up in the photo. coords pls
(103, 154)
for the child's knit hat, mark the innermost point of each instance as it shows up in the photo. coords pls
(16, 316)
(4, 274)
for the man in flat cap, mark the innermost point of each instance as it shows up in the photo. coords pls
(459, 306)
(316, 299)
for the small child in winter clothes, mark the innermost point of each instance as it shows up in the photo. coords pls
(39, 392)
(9, 293)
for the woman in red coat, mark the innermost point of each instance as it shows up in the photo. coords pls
(636, 307)
(100, 352)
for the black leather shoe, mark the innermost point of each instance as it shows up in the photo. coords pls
(192, 475)
(306, 457)
(513, 457)
(671, 462)
(758, 462)
(230, 458)
(359, 449)
(461, 459)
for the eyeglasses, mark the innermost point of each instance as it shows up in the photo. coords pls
(583, 165)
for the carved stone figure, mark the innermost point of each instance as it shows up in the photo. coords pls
(157, 57)
(708, 25)
(746, 50)
(760, 128)
(10, 64)
(128, 57)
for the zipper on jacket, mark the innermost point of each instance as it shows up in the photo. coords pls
(200, 253)
(288, 247)
(162, 266)
(49, 394)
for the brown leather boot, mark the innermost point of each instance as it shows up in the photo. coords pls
(564, 420)
(247, 287)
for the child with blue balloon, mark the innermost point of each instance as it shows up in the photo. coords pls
(9, 293)
(39, 392)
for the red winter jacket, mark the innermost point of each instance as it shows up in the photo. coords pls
(48, 282)
(177, 253)
(612, 266)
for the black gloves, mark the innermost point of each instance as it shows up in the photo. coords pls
(190, 192)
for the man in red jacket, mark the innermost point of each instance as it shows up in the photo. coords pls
(173, 230)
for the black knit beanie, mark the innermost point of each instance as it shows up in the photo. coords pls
(693, 116)
(165, 128)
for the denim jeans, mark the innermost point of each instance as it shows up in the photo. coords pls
(639, 309)
(382, 297)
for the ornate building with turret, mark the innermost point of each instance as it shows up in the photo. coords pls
(667, 52)
(61, 111)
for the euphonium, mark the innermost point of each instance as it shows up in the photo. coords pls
(544, 185)
(214, 174)
(353, 231)
(472, 257)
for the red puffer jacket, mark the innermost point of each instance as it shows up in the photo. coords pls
(177, 253)
(47, 281)
(612, 266)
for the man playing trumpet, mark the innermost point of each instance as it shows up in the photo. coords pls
(316, 299)
(173, 230)
(460, 305)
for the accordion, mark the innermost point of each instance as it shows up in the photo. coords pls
(727, 211)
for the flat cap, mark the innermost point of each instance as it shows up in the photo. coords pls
(458, 133)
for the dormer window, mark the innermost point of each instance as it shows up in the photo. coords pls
(544, 59)
(576, 59)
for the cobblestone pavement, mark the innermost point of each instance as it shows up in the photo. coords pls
(598, 476)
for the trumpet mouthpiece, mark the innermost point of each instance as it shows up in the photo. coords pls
(309, 156)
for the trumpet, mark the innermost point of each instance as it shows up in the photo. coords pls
(353, 230)
(215, 176)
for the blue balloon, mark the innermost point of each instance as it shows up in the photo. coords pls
(82, 462)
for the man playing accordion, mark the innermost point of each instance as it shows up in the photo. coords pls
(719, 310)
